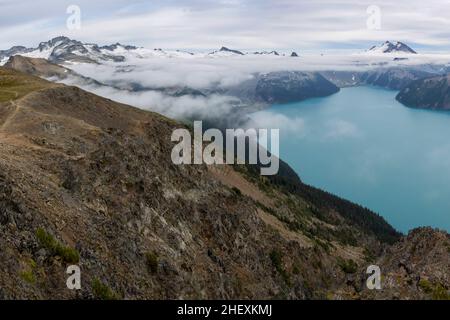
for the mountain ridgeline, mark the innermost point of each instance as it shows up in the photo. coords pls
(63, 49)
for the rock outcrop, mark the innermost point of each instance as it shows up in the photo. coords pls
(428, 93)
(283, 87)
(417, 267)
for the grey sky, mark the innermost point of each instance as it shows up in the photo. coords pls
(244, 24)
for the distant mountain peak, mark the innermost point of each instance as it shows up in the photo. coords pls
(116, 45)
(228, 50)
(392, 47)
(267, 53)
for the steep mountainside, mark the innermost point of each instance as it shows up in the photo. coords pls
(38, 67)
(87, 181)
(393, 78)
(428, 93)
(44, 69)
(283, 87)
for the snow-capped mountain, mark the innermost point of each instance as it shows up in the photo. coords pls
(389, 47)
(63, 49)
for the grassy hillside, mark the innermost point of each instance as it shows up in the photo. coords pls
(14, 85)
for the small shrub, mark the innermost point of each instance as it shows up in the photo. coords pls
(276, 257)
(323, 244)
(47, 241)
(426, 285)
(296, 270)
(28, 276)
(440, 293)
(102, 292)
(348, 266)
(151, 260)
(368, 255)
(317, 263)
(236, 191)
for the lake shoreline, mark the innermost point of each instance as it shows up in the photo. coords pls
(344, 130)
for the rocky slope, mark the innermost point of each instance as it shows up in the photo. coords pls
(417, 267)
(392, 78)
(87, 181)
(44, 69)
(427, 93)
(39, 67)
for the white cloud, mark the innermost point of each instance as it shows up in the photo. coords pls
(174, 107)
(271, 120)
(246, 24)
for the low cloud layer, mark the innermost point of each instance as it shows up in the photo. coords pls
(185, 107)
(272, 120)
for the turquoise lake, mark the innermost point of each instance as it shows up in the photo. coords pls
(362, 145)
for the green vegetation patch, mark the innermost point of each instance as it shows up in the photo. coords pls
(28, 274)
(348, 266)
(437, 291)
(47, 241)
(276, 257)
(151, 260)
(102, 292)
(14, 85)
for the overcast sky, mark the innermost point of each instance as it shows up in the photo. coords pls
(243, 24)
